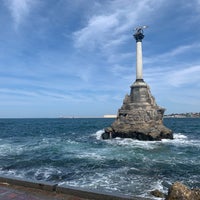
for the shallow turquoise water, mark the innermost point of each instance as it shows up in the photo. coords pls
(70, 151)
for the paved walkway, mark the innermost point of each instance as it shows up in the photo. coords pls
(8, 192)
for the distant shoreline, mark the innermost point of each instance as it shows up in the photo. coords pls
(183, 115)
(109, 116)
(180, 117)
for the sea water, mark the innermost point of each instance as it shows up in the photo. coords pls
(71, 152)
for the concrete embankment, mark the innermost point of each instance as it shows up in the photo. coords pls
(51, 189)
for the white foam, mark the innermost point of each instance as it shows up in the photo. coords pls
(109, 181)
(182, 140)
(98, 134)
(158, 185)
(7, 149)
(95, 181)
(128, 142)
(46, 172)
(180, 136)
(179, 139)
(71, 141)
(91, 155)
(12, 172)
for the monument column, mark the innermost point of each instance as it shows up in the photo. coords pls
(139, 116)
(138, 37)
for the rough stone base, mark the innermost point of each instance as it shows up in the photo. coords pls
(139, 117)
(151, 134)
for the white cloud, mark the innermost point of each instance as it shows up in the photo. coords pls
(96, 30)
(120, 71)
(19, 9)
(17, 92)
(189, 75)
(36, 94)
(108, 28)
(117, 57)
(62, 73)
(176, 77)
(169, 56)
(198, 4)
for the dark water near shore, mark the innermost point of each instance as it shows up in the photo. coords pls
(70, 151)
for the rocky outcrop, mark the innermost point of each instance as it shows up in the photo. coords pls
(139, 117)
(157, 193)
(178, 191)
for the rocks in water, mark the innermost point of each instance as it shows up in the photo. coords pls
(178, 191)
(139, 117)
(108, 134)
(157, 193)
(148, 134)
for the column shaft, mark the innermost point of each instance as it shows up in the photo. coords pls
(139, 75)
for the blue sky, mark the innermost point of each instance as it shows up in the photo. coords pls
(77, 58)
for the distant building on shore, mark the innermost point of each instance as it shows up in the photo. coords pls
(109, 116)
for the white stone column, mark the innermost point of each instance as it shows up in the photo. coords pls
(138, 37)
(139, 75)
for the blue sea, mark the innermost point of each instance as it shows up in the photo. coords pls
(71, 152)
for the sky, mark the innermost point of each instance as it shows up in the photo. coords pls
(78, 58)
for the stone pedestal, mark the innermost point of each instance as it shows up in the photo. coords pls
(139, 117)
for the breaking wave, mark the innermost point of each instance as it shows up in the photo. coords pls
(179, 139)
